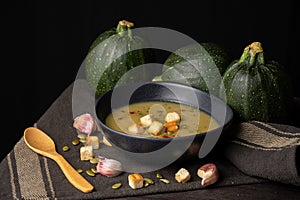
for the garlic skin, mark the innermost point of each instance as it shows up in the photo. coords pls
(209, 174)
(85, 123)
(109, 167)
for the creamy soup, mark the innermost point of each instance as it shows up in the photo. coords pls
(192, 120)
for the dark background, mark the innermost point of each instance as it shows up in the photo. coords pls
(43, 43)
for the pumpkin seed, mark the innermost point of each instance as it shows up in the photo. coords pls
(90, 172)
(149, 181)
(146, 184)
(65, 148)
(81, 136)
(75, 142)
(106, 142)
(116, 185)
(82, 140)
(94, 160)
(164, 180)
(158, 175)
(79, 171)
(94, 170)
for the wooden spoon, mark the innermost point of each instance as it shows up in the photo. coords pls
(42, 144)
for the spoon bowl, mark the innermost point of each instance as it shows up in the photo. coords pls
(42, 144)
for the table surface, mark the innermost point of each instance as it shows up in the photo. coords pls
(12, 178)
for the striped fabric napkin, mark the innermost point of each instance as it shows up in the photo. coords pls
(266, 150)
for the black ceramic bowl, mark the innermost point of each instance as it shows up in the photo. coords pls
(163, 91)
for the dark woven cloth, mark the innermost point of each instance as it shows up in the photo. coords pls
(266, 150)
(28, 175)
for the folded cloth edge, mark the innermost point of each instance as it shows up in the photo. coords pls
(273, 160)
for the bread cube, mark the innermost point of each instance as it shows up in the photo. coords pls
(155, 128)
(182, 175)
(172, 117)
(146, 120)
(92, 141)
(86, 153)
(135, 129)
(135, 181)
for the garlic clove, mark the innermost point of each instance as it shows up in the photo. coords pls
(209, 174)
(109, 167)
(85, 123)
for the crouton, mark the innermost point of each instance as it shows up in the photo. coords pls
(155, 128)
(86, 152)
(146, 120)
(92, 141)
(172, 117)
(182, 175)
(135, 181)
(135, 129)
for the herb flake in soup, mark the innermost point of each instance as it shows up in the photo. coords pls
(154, 119)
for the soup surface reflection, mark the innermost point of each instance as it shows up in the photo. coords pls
(192, 120)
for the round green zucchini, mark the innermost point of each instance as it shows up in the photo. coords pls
(257, 88)
(198, 65)
(112, 54)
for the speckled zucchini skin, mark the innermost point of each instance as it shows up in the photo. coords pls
(257, 89)
(107, 61)
(199, 65)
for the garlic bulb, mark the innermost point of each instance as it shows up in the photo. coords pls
(85, 123)
(109, 167)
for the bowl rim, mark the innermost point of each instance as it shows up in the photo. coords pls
(229, 112)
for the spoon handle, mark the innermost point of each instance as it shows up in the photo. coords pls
(72, 175)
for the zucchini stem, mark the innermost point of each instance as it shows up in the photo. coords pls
(124, 26)
(252, 54)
